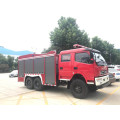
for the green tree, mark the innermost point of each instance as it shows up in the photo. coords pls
(8, 63)
(16, 63)
(10, 60)
(67, 34)
(98, 44)
(4, 68)
(116, 56)
(3, 59)
(106, 49)
(3, 64)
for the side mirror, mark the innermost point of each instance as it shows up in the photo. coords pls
(91, 61)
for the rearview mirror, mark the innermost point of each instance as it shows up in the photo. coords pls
(91, 61)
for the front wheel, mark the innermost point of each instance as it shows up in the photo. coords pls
(79, 89)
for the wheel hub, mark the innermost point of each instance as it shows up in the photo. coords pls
(29, 82)
(37, 83)
(78, 89)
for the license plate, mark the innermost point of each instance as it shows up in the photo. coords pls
(117, 73)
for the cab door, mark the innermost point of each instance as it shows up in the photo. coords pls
(65, 67)
(83, 66)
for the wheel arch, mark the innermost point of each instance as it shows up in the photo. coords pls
(77, 76)
(33, 77)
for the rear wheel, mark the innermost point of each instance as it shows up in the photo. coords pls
(38, 84)
(29, 83)
(79, 89)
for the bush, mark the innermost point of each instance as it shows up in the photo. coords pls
(4, 68)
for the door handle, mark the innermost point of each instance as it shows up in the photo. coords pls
(61, 68)
(75, 68)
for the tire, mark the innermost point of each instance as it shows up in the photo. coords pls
(29, 83)
(79, 88)
(11, 76)
(92, 88)
(110, 84)
(38, 84)
(117, 80)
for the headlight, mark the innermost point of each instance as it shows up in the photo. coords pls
(99, 79)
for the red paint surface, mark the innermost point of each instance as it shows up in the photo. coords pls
(20, 79)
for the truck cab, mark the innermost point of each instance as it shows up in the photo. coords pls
(84, 64)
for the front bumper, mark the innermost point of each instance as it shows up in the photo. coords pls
(103, 85)
(102, 81)
(117, 77)
(112, 80)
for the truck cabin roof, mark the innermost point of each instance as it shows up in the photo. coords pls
(79, 50)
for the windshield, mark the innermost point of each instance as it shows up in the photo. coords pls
(100, 61)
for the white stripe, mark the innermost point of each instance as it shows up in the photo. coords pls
(65, 79)
(32, 75)
(90, 82)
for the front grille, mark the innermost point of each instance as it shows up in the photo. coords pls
(103, 72)
(111, 76)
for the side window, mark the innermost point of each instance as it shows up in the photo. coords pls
(65, 58)
(82, 57)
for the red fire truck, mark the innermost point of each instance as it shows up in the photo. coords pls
(82, 69)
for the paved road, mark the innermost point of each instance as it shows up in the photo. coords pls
(10, 86)
(15, 93)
